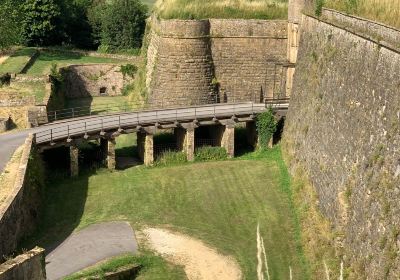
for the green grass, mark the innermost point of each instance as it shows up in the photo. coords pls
(247, 9)
(16, 62)
(62, 59)
(218, 202)
(98, 101)
(151, 267)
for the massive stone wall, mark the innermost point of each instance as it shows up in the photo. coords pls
(203, 60)
(343, 127)
(19, 211)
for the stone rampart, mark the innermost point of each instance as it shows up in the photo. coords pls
(19, 211)
(94, 80)
(203, 60)
(27, 266)
(343, 127)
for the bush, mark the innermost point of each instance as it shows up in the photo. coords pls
(266, 127)
(171, 157)
(208, 153)
(129, 70)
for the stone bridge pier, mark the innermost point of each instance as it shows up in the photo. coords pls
(220, 134)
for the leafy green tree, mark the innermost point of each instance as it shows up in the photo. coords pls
(41, 23)
(10, 27)
(122, 24)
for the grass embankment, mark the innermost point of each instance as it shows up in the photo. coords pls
(17, 61)
(385, 11)
(218, 202)
(64, 58)
(246, 9)
(27, 88)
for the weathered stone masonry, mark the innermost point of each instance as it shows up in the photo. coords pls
(19, 212)
(343, 127)
(227, 60)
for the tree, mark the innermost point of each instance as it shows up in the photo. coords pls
(122, 24)
(10, 27)
(41, 22)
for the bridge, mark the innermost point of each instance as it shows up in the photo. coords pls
(71, 128)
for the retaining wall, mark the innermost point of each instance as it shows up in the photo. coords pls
(19, 212)
(27, 266)
(201, 59)
(343, 126)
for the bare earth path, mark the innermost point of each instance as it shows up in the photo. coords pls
(199, 261)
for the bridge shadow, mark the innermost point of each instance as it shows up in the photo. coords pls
(64, 198)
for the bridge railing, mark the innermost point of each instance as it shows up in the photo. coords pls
(277, 102)
(132, 119)
(129, 106)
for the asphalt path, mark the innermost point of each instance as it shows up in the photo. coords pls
(90, 246)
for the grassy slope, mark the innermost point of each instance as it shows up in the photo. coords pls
(249, 9)
(35, 88)
(61, 58)
(386, 11)
(218, 202)
(16, 62)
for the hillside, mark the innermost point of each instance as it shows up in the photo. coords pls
(247, 9)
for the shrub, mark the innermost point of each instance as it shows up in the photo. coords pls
(207, 153)
(128, 70)
(171, 157)
(318, 7)
(266, 127)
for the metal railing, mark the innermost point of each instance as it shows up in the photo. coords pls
(134, 119)
(83, 111)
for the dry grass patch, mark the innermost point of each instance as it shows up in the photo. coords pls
(17, 114)
(385, 11)
(7, 178)
(249, 9)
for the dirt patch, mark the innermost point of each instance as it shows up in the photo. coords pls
(199, 260)
(3, 58)
(7, 178)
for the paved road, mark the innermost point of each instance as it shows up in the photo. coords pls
(90, 246)
(58, 130)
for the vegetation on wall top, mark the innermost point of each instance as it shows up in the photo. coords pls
(385, 11)
(247, 9)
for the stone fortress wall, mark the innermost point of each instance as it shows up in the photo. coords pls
(216, 59)
(343, 128)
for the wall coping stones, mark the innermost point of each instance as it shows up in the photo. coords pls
(219, 28)
(381, 34)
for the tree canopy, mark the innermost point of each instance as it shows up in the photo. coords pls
(114, 25)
